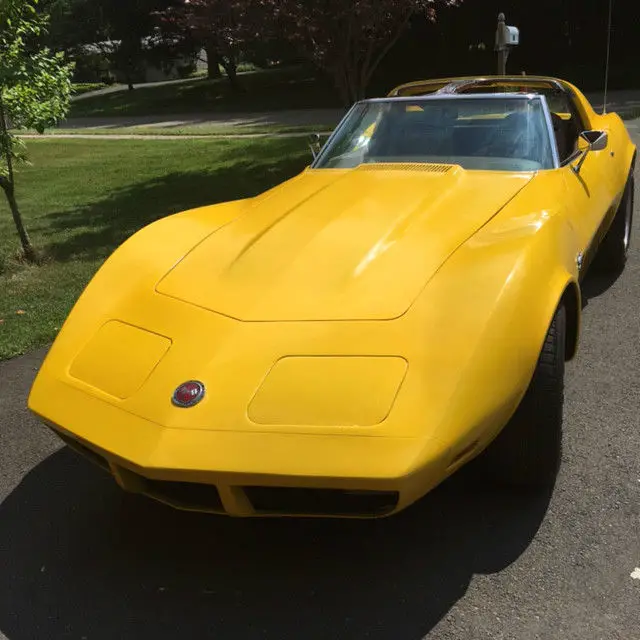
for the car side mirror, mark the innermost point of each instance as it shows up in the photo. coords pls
(596, 141)
(314, 144)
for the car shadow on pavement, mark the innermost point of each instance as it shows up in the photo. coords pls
(81, 559)
(597, 282)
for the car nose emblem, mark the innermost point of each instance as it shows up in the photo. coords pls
(188, 394)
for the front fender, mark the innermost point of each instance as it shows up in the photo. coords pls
(620, 144)
(500, 291)
(135, 267)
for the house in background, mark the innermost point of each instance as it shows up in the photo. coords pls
(93, 64)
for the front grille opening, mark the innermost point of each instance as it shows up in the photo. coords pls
(321, 502)
(184, 495)
(87, 453)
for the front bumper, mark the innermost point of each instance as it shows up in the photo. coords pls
(245, 474)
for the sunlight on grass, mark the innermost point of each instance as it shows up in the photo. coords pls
(188, 130)
(82, 198)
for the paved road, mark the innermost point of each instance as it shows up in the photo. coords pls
(79, 559)
(617, 101)
(286, 117)
(144, 136)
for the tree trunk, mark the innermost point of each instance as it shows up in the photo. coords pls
(129, 75)
(337, 75)
(347, 84)
(27, 248)
(345, 96)
(8, 185)
(358, 90)
(231, 69)
(213, 63)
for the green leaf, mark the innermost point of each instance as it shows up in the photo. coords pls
(35, 83)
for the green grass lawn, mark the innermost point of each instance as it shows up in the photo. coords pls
(79, 88)
(188, 130)
(268, 90)
(82, 198)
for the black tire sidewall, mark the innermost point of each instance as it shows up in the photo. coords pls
(612, 255)
(528, 451)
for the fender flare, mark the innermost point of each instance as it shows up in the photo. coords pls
(572, 300)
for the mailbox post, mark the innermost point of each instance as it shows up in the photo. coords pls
(506, 37)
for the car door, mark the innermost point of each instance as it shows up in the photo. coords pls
(591, 198)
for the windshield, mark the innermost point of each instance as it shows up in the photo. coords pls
(499, 133)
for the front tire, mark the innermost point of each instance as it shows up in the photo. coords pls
(614, 249)
(528, 451)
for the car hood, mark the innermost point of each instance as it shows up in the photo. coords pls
(358, 244)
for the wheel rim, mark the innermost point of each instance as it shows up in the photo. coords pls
(628, 214)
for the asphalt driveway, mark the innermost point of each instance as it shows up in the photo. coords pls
(80, 559)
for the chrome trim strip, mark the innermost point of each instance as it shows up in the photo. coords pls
(335, 132)
(455, 96)
(552, 136)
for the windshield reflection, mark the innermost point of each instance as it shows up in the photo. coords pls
(499, 134)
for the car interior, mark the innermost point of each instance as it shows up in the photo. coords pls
(447, 137)
(567, 124)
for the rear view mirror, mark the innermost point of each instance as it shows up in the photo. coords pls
(596, 141)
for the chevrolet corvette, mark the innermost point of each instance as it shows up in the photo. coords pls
(340, 344)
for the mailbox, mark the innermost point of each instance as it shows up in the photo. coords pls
(513, 36)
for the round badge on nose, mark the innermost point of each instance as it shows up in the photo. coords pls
(188, 394)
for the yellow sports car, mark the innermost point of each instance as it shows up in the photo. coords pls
(339, 345)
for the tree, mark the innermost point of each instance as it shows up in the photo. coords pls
(127, 25)
(35, 86)
(223, 28)
(349, 40)
(72, 23)
(172, 39)
(121, 31)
